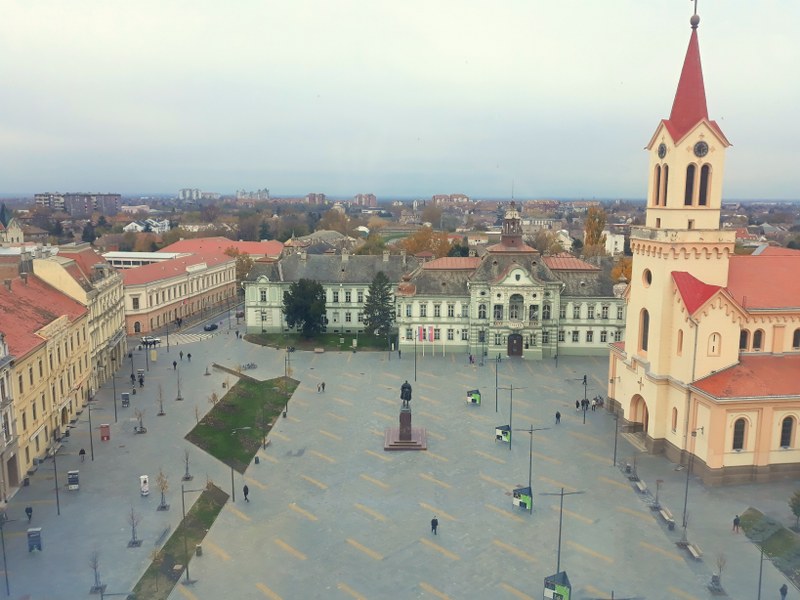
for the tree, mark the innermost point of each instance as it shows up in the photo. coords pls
(139, 417)
(374, 244)
(794, 504)
(244, 262)
(94, 564)
(622, 268)
(379, 306)
(461, 249)
(263, 231)
(163, 485)
(334, 220)
(721, 561)
(425, 239)
(304, 306)
(89, 234)
(594, 241)
(186, 476)
(546, 242)
(212, 399)
(133, 520)
(432, 214)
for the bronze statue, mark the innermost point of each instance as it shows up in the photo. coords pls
(405, 394)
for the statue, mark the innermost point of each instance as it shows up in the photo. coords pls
(405, 394)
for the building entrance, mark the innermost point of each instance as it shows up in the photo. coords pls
(515, 344)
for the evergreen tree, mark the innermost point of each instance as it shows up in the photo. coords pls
(304, 306)
(379, 307)
(89, 234)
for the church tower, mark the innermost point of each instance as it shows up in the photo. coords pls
(681, 233)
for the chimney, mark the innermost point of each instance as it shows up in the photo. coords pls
(7, 283)
(345, 256)
(24, 277)
(385, 256)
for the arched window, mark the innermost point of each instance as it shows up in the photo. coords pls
(758, 339)
(787, 425)
(744, 339)
(657, 186)
(545, 312)
(644, 329)
(680, 344)
(738, 434)
(481, 311)
(674, 419)
(498, 312)
(515, 307)
(796, 339)
(714, 342)
(687, 196)
(137, 327)
(705, 176)
(533, 312)
(666, 183)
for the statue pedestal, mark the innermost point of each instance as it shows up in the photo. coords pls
(405, 437)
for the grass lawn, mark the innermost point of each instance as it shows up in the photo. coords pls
(161, 576)
(779, 542)
(329, 341)
(235, 428)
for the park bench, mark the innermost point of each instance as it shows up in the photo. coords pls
(668, 518)
(695, 551)
(641, 486)
(319, 350)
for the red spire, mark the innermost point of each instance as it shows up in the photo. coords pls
(689, 107)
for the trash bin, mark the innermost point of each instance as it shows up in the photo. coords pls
(26, 481)
(257, 460)
(198, 550)
(671, 525)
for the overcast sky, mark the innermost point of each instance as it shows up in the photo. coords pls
(406, 98)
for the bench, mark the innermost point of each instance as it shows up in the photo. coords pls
(319, 350)
(668, 518)
(641, 486)
(695, 551)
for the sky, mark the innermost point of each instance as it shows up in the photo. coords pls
(400, 99)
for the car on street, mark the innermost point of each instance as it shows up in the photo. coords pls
(210, 327)
(149, 340)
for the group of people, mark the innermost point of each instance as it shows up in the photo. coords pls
(321, 387)
(585, 404)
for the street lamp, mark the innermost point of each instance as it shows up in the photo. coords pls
(233, 489)
(511, 410)
(178, 373)
(562, 493)
(130, 355)
(114, 383)
(3, 520)
(183, 525)
(91, 437)
(689, 463)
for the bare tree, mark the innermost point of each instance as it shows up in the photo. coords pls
(197, 415)
(163, 485)
(94, 564)
(157, 557)
(186, 476)
(721, 561)
(140, 417)
(161, 412)
(213, 398)
(133, 520)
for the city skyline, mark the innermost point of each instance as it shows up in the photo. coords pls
(399, 101)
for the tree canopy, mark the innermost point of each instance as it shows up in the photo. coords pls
(427, 239)
(379, 306)
(304, 306)
(594, 241)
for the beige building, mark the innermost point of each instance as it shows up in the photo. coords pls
(708, 371)
(8, 436)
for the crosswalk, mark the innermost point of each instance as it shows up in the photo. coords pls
(179, 339)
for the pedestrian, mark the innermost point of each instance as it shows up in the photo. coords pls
(323, 387)
(577, 406)
(181, 354)
(189, 356)
(141, 381)
(784, 590)
(237, 334)
(736, 522)
(399, 353)
(174, 365)
(594, 403)
(434, 524)
(245, 491)
(82, 454)
(29, 512)
(558, 417)
(319, 388)
(133, 379)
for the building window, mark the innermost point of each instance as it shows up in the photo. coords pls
(135, 303)
(19, 381)
(33, 410)
(705, 176)
(575, 336)
(347, 318)
(758, 339)
(533, 312)
(464, 335)
(360, 317)
(666, 190)
(589, 336)
(796, 339)
(680, 342)
(744, 339)
(336, 296)
(532, 340)
(590, 313)
(619, 313)
(576, 312)
(360, 296)
(687, 196)
(451, 310)
(263, 295)
(657, 185)
(335, 315)
(545, 337)
(787, 425)
(562, 311)
(713, 344)
(436, 333)
(409, 333)
(437, 310)
(348, 296)
(498, 312)
(465, 311)
(738, 434)
(408, 310)
(450, 334)
(423, 310)
(498, 339)
(644, 329)
(482, 336)
(481, 311)
(30, 375)
(674, 419)
(617, 336)
(24, 420)
(561, 336)
(545, 312)
(604, 336)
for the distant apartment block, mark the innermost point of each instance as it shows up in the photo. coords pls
(315, 198)
(80, 204)
(189, 194)
(256, 195)
(439, 199)
(368, 200)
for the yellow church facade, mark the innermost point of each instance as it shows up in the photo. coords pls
(708, 371)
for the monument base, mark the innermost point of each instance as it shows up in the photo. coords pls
(418, 441)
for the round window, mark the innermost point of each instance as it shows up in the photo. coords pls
(647, 278)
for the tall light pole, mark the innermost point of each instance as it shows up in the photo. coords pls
(91, 435)
(496, 368)
(130, 355)
(183, 524)
(689, 462)
(511, 410)
(562, 493)
(114, 383)
(530, 430)
(3, 520)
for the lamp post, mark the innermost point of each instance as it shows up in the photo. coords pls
(114, 383)
(183, 523)
(233, 489)
(91, 437)
(562, 493)
(415, 355)
(689, 462)
(167, 322)
(511, 410)
(3, 520)
(130, 355)
(178, 373)
(496, 368)
(55, 474)
(616, 431)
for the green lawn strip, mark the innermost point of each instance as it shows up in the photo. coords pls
(160, 577)
(779, 542)
(233, 430)
(329, 341)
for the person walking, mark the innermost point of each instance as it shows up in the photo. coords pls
(399, 353)
(784, 590)
(82, 454)
(319, 388)
(29, 512)
(434, 525)
(558, 417)
(189, 356)
(594, 403)
(323, 387)
(181, 354)
(174, 365)
(245, 491)
(577, 406)
(736, 522)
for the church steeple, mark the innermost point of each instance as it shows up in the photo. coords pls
(689, 107)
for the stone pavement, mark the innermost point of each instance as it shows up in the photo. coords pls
(332, 515)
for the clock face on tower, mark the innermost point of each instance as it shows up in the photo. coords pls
(700, 149)
(662, 150)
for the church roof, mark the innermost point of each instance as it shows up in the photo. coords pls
(694, 292)
(755, 376)
(765, 281)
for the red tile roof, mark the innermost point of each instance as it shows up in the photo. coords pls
(216, 245)
(171, 268)
(521, 248)
(755, 376)
(766, 280)
(619, 345)
(694, 292)
(453, 263)
(83, 268)
(30, 306)
(567, 262)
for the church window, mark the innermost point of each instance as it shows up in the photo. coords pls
(787, 425)
(644, 330)
(545, 312)
(738, 434)
(498, 312)
(680, 342)
(705, 175)
(744, 339)
(481, 311)
(657, 189)
(758, 339)
(713, 344)
(796, 339)
(674, 419)
(688, 195)
(647, 277)
(666, 184)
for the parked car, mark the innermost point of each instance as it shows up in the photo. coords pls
(211, 327)
(239, 314)
(149, 340)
